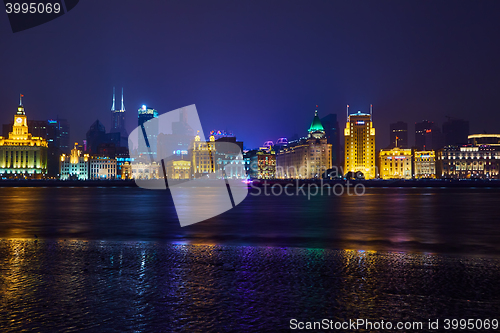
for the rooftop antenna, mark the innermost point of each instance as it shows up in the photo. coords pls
(21, 99)
(123, 106)
(113, 106)
(347, 112)
(371, 110)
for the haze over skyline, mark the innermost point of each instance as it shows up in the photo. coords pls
(256, 68)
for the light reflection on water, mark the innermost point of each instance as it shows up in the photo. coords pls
(144, 286)
(398, 219)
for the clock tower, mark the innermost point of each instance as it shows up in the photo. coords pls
(21, 155)
(20, 128)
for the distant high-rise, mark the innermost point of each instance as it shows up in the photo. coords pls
(428, 136)
(398, 135)
(359, 138)
(118, 121)
(96, 136)
(420, 129)
(63, 135)
(151, 128)
(331, 126)
(455, 132)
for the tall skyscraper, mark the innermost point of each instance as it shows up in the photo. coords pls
(398, 135)
(359, 138)
(455, 132)
(62, 126)
(118, 121)
(151, 128)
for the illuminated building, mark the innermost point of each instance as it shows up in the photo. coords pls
(482, 161)
(484, 139)
(74, 166)
(118, 121)
(424, 164)
(203, 156)
(266, 164)
(395, 163)
(150, 127)
(20, 153)
(125, 170)
(101, 167)
(55, 132)
(178, 169)
(306, 158)
(146, 170)
(398, 136)
(359, 144)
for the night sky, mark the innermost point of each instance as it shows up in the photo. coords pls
(259, 68)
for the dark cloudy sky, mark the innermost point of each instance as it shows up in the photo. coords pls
(259, 68)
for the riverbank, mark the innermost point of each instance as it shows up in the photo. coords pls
(267, 182)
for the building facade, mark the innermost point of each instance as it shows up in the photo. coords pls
(180, 169)
(266, 164)
(142, 170)
(74, 166)
(21, 153)
(469, 162)
(424, 164)
(203, 157)
(306, 158)
(103, 168)
(395, 163)
(359, 140)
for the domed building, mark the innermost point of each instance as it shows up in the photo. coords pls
(307, 158)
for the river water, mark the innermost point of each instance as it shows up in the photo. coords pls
(117, 260)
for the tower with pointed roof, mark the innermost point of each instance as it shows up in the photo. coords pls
(118, 120)
(316, 130)
(307, 158)
(21, 154)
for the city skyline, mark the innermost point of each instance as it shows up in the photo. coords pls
(260, 63)
(130, 123)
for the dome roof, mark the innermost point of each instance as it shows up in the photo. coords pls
(316, 125)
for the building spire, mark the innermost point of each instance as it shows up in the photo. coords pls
(113, 106)
(21, 99)
(123, 106)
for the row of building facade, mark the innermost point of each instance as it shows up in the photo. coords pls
(103, 156)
